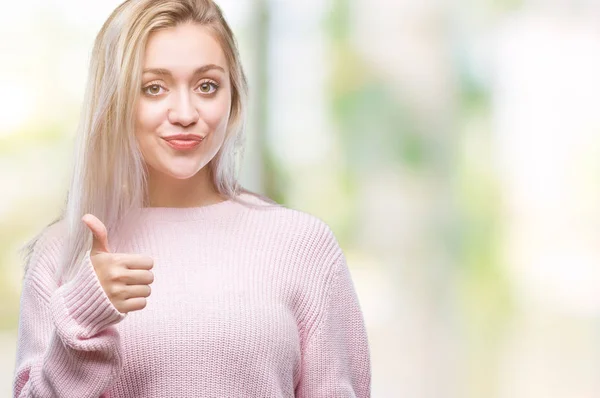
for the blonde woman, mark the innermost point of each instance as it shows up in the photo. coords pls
(163, 277)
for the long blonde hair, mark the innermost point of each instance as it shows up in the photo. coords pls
(109, 177)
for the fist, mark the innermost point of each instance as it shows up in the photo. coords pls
(125, 278)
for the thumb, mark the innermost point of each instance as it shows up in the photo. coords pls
(99, 233)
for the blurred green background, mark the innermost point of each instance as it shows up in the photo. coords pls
(453, 148)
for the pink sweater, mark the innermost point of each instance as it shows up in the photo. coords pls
(245, 303)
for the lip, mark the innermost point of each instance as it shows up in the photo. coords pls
(183, 142)
(183, 137)
(183, 145)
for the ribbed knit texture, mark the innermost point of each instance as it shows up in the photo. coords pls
(245, 303)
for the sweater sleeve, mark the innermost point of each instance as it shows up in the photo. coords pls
(335, 358)
(67, 344)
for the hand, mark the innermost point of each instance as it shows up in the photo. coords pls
(125, 278)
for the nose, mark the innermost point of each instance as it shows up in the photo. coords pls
(182, 110)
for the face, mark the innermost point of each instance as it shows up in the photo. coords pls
(185, 90)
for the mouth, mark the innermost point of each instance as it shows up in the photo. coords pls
(183, 142)
(183, 137)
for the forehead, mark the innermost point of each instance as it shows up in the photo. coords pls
(183, 46)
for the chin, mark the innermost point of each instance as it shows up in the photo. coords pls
(183, 173)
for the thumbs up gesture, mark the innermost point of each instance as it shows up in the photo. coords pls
(125, 278)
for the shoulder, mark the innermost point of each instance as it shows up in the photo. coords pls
(54, 235)
(43, 251)
(300, 232)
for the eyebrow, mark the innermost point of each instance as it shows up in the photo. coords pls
(166, 72)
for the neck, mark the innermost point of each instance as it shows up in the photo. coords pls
(196, 191)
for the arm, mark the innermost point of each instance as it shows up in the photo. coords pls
(335, 358)
(67, 345)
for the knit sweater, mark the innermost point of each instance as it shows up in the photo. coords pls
(245, 302)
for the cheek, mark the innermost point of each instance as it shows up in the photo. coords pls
(149, 116)
(216, 113)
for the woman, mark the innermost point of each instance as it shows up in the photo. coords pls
(188, 285)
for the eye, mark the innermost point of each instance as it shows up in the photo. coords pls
(208, 87)
(153, 90)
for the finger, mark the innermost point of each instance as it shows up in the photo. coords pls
(139, 262)
(133, 304)
(137, 291)
(138, 277)
(99, 234)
